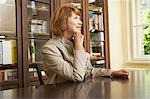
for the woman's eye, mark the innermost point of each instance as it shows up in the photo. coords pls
(75, 17)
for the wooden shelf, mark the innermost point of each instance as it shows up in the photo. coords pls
(3, 32)
(8, 66)
(96, 31)
(44, 1)
(39, 9)
(98, 3)
(8, 84)
(39, 34)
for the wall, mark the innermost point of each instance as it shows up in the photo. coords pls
(116, 58)
(120, 35)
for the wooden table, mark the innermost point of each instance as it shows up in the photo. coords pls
(136, 87)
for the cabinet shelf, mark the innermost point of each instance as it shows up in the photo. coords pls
(39, 38)
(96, 31)
(35, 63)
(35, 17)
(8, 84)
(98, 41)
(97, 12)
(44, 1)
(95, 8)
(98, 3)
(9, 38)
(39, 9)
(8, 66)
(9, 32)
(39, 34)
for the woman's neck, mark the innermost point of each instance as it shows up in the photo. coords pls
(67, 35)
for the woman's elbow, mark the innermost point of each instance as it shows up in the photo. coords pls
(78, 79)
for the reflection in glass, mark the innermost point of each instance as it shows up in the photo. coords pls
(35, 50)
(38, 27)
(7, 18)
(39, 19)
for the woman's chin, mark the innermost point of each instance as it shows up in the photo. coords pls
(78, 32)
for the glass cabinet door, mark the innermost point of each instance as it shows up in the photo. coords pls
(96, 29)
(38, 31)
(8, 41)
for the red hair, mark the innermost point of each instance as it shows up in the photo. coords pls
(60, 17)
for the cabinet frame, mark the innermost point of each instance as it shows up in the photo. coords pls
(19, 82)
(27, 81)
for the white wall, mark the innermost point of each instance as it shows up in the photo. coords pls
(114, 8)
(119, 29)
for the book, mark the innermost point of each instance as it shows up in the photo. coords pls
(6, 47)
(101, 24)
(2, 75)
(13, 51)
(32, 51)
(10, 74)
(8, 52)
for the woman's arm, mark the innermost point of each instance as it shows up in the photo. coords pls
(54, 61)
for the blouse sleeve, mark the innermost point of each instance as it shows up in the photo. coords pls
(101, 72)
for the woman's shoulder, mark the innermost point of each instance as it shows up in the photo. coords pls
(52, 46)
(53, 42)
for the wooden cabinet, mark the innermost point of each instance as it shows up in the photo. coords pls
(36, 31)
(10, 44)
(25, 27)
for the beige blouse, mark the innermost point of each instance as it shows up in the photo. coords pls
(63, 63)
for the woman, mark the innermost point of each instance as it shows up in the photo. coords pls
(64, 56)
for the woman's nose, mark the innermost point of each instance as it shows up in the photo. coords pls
(80, 22)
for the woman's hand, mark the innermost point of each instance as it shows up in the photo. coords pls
(78, 41)
(120, 73)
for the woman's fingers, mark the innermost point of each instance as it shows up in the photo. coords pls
(78, 40)
(120, 73)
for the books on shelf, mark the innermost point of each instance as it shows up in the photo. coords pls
(101, 24)
(32, 72)
(34, 50)
(31, 51)
(2, 75)
(32, 44)
(39, 26)
(9, 74)
(7, 51)
(96, 21)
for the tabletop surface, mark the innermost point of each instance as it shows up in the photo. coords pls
(137, 86)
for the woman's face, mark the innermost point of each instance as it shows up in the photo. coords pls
(74, 24)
